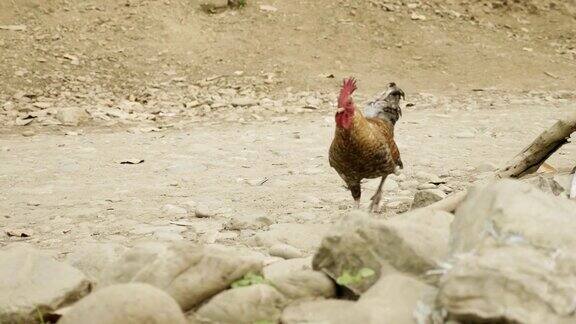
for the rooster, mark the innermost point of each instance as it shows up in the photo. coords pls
(363, 146)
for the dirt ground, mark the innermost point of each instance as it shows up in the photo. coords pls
(482, 79)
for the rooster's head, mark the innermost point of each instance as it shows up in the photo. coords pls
(346, 108)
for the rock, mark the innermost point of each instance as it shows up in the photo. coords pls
(42, 104)
(72, 116)
(484, 175)
(203, 211)
(296, 280)
(513, 247)
(457, 173)
(410, 184)
(394, 299)
(132, 261)
(319, 311)
(33, 284)
(413, 243)
(13, 27)
(303, 217)
(423, 198)
(428, 177)
(28, 133)
(244, 101)
(512, 211)
(511, 284)
(305, 237)
(162, 232)
(18, 232)
(281, 267)
(215, 3)
(93, 258)
(416, 16)
(426, 186)
(445, 188)
(23, 121)
(133, 303)
(190, 206)
(390, 185)
(395, 204)
(546, 183)
(190, 273)
(398, 178)
(268, 8)
(254, 221)
(245, 305)
(285, 251)
(564, 180)
(486, 167)
(171, 210)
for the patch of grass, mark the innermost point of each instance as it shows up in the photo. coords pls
(348, 278)
(248, 280)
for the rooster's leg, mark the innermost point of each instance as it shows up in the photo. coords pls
(375, 204)
(356, 193)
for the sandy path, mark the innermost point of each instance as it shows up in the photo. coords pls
(71, 189)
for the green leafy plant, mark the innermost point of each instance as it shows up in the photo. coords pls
(249, 279)
(347, 278)
(237, 3)
(264, 322)
(40, 316)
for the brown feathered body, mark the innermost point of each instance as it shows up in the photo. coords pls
(365, 148)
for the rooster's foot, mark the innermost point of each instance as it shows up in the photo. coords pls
(375, 204)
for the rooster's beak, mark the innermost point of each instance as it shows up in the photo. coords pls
(340, 110)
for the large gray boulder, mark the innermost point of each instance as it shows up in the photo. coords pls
(245, 305)
(514, 258)
(33, 284)
(295, 279)
(546, 183)
(94, 258)
(511, 284)
(511, 211)
(132, 303)
(397, 299)
(329, 311)
(190, 273)
(394, 299)
(413, 243)
(426, 197)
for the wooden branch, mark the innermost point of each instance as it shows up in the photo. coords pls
(527, 162)
(532, 157)
(449, 203)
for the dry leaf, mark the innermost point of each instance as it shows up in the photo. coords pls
(132, 161)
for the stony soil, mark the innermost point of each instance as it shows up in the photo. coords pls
(231, 113)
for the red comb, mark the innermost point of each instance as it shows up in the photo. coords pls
(348, 87)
